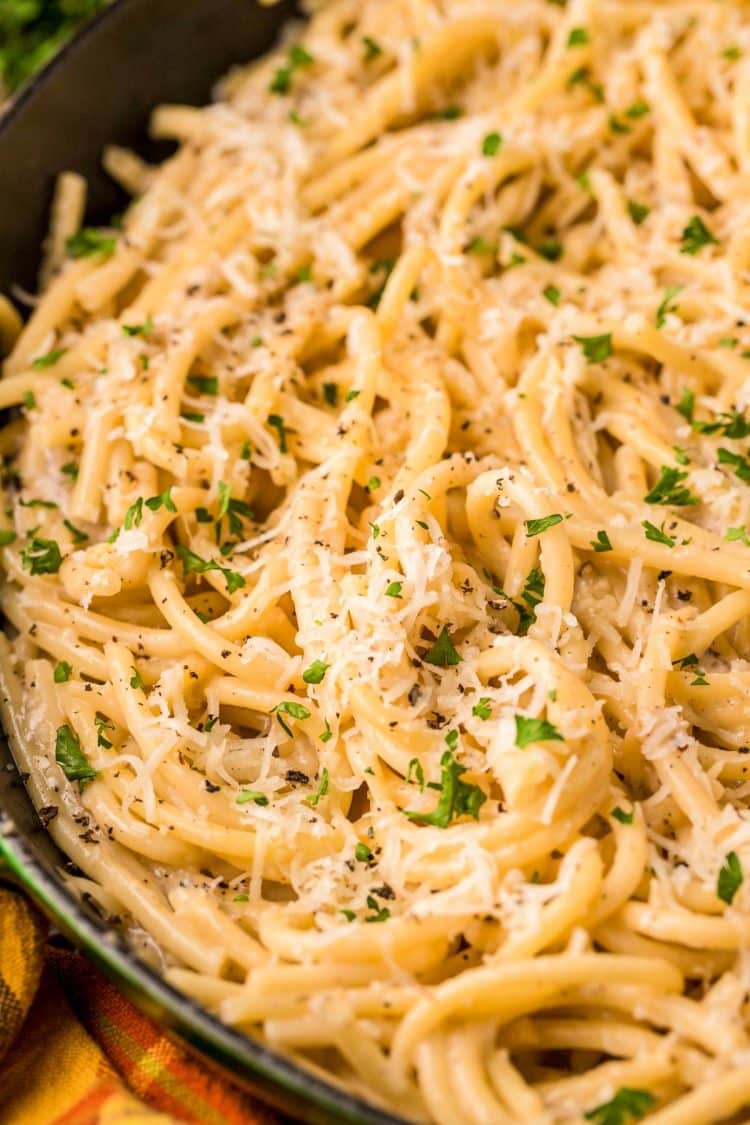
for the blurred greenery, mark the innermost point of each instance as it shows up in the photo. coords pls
(32, 30)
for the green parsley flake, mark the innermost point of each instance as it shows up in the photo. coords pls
(695, 236)
(88, 242)
(491, 144)
(135, 680)
(668, 490)
(204, 384)
(331, 393)
(552, 294)
(393, 590)
(194, 564)
(740, 464)
(41, 556)
(737, 534)
(42, 362)
(628, 1104)
(730, 878)
(379, 913)
(277, 422)
(530, 730)
(144, 329)
(71, 758)
(321, 790)
(622, 816)
(601, 543)
(536, 527)
(657, 534)
(482, 709)
(362, 853)
(457, 797)
(245, 796)
(578, 37)
(7, 536)
(371, 48)
(289, 707)
(638, 212)
(315, 673)
(442, 653)
(596, 348)
(415, 767)
(63, 672)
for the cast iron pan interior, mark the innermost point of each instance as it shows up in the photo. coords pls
(101, 89)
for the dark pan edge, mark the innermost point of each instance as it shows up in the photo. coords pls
(274, 1078)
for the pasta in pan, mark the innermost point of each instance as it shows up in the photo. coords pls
(377, 554)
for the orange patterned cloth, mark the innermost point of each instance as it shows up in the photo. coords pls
(73, 1051)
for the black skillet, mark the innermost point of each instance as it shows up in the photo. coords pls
(100, 89)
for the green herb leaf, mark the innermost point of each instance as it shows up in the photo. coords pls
(393, 590)
(7, 536)
(657, 534)
(134, 515)
(78, 535)
(457, 797)
(667, 489)
(740, 464)
(622, 816)
(536, 527)
(596, 348)
(277, 422)
(371, 47)
(552, 294)
(578, 37)
(628, 1104)
(88, 242)
(491, 144)
(730, 878)
(737, 534)
(246, 795)
(42, 362)
(321, 790)
(41, 556)
(379, 913)
(163, 500)
(482, 709)
(686, 405)
(535, 730)
(695, 236)
(331, 393)
(442, 653)
(71, 758)
(362, 853)
(315, 673)
(416, 768)
(204, 384)
(638, 212)
(602, 542)
(135, 680)
(290, 707)
(63, 672)
(144, 329)
(195, 564)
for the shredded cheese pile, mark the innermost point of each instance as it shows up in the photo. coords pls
(377, 554)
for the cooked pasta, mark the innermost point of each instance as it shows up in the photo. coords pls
(377, 555)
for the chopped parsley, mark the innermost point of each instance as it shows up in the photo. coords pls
(102, 723)
(289, 707)
(204, 384)
(362, 853)
(322, 788)
(194, 564)
(87, 242)
(730, 878)
(686, 405)
(297, 58)
(578, 37)
(617, 126)
(393, 590)
(135, 680)
(7, 536)
(246, 795)
(331, 393)
(78, 535)
(637, 109)
(315, 673)
(71, 758)
(628, 1104)
(134, 515)
(667, 305)
(373, 484)
(42, 362)
(596, 348)
(70, 468)
(657, 534)
(415, 767)
(622, 816)
(442, 653)
(601, 543)
(638, 212)
(668, 489)
(41, 556)
(379, 913)
(36, 503)
(732, 425)
(192, 416)
(482, 709)
(63, 672)
(457, 797)
(29, 400)
(552, 294)
(351, 395)
(163, 500)
(695, 236)
(144, 329)
(740, 464)
(277, 422)
(536, 527)
(535, 730)
(737, 534)
(491, 144)
(371, 48)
